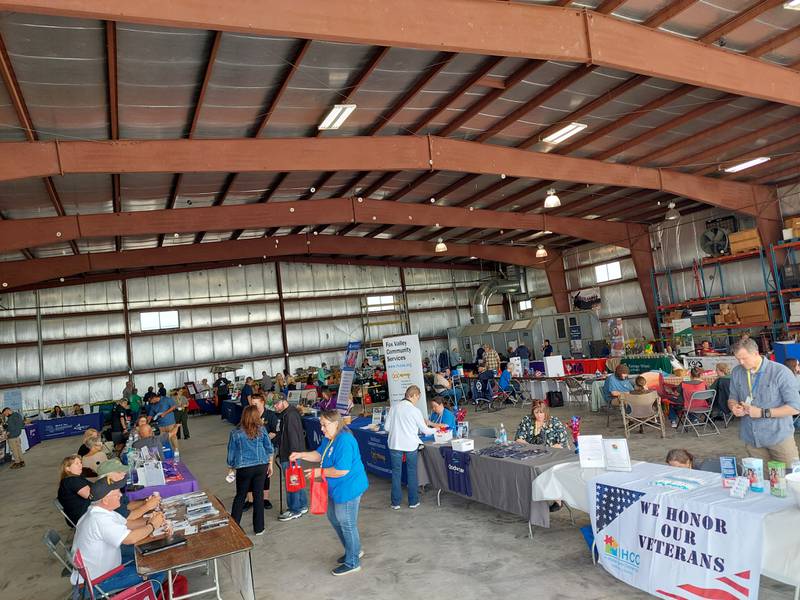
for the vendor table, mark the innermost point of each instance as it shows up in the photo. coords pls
(584, 366)
(229, 543)
(32, 432)
(51, 429)
(644, 363)
(539, 386)
(174, 488)
(780, 517)
(503, 483)
(232, 411)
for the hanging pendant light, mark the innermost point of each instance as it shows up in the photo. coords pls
(440, 246)
(672, 213)
(552, 201)
(541, 252)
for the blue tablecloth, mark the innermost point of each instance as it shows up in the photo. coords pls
(51, 429)
(232, 412)
(373, 445)
(32, 431)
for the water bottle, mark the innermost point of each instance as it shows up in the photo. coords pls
(177, 457)
(597, 374)
(130, 462)
(503, 436)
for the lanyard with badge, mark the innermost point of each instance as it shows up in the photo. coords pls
(753, 384)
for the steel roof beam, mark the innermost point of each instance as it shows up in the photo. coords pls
(14, 234)
(27, 272)
(384, 153)
(562, 34)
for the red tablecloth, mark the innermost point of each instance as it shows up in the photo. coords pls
(579, 366)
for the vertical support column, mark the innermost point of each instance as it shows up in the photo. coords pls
(770, 226)
(127, 322)
(642, 255)
(404, 291)
(40, 346)
(279, 283)
(455, 297)
(556, 278)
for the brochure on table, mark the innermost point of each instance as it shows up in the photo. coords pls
(611, 454)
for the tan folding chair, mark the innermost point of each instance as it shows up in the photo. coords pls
(645, 410)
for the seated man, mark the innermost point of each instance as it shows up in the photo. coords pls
(155, 443)
(444, 387)
(100, 534)
(77, 410)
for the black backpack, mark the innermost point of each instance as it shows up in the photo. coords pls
(555, 399)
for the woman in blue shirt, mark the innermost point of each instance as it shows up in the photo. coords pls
(440, 415)
(617, 384)
(347, 480)
(250, 453)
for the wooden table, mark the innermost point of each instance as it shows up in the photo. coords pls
(200, 547)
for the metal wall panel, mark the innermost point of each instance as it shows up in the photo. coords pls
(537, 282)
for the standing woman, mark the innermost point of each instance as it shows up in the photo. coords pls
(250, 453)
(347, 480)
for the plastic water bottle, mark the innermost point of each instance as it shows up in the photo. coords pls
(503, 436)
(597, 374)
(177, 457)
(130, 462)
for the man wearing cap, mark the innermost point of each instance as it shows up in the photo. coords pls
(291, 438)
(100, 534)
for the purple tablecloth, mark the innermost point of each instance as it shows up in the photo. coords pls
(186, 485)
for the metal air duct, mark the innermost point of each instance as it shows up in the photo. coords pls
(480, 301)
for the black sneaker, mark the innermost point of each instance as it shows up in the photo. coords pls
(555, 506)
(341, 559)
(344, 570)
(247, 505)
(267, 505)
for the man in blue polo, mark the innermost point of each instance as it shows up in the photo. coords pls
(161, 411)
(764, 394)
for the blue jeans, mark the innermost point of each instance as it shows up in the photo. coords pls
(454, 392)
(396, 457)
(296, 501)
(344, 519)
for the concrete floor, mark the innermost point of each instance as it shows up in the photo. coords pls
(461, 549)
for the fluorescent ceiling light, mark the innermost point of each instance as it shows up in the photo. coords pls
(337, 116)
(591, 217)
(564, 133)
(440, 246)
(552, 201)
(749, 163)
(541, 252)
(792, 5)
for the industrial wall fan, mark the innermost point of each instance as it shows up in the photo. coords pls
(714, 241)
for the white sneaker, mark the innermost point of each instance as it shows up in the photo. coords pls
(303, 510)
(395, 507)
(261, 532)
(413, 505)
(674, 424)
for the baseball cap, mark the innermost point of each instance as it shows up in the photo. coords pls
(105, 485)
(112, 466)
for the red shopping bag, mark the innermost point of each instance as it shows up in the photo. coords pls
(319, 493)
(295, 479)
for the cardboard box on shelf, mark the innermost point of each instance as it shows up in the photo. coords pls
(672, 315)
(744, 241)
(727, 315)
(792, 223)
(754, 311)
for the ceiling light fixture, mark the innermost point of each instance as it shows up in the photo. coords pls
(747, 164)
(541, 252)
(672, 213)
(337, 116)
(473, 258)
(440, 246)
(552, 201)
(792, 5)
(564, 133)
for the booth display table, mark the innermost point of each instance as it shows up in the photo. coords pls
(779, 517)
(503, 483)
(32, 433)
(584, 366)
(51, 429)
(232, 411)
(647, 362)
(174, 488)
(230, 544)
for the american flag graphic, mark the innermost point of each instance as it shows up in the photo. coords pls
(729, 588)
(611, 501)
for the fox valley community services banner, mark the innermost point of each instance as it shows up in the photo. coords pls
(681, 544)
(404, 368)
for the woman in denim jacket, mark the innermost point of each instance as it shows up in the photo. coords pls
(250, 453)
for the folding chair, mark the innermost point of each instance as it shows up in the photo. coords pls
(499, 396)
(577, 393)
(60, 508)
(146, 590)
(482, 394)
(59, 551)
(699, 405)
(645, 410)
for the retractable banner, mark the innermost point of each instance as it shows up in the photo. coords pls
(404, 368)
(348, 373)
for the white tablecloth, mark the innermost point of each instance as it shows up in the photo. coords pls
(780, 558)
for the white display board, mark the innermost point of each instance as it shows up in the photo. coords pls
(708, 363)
(554, 366)
(404, 368)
